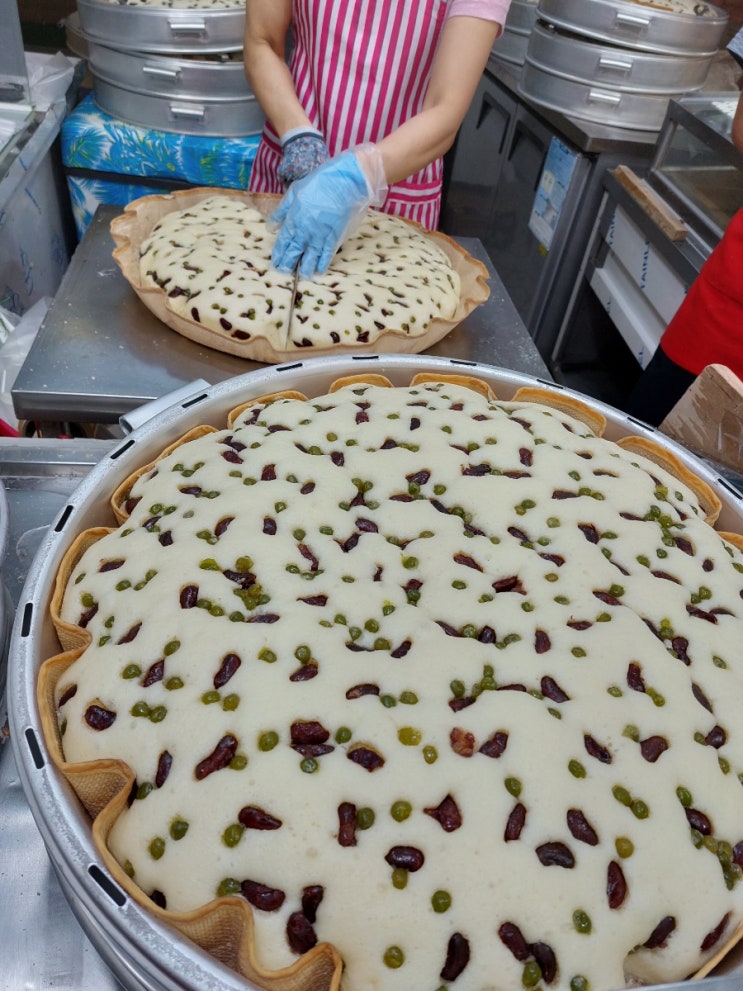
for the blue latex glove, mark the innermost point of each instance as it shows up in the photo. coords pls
(318, 213)
(302, 152)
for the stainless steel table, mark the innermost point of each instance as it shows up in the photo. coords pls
(41, 943)
(100, 353)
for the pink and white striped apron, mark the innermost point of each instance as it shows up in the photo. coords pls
(361, 69)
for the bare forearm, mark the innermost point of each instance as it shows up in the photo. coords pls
(270, 81)
(460, 61)
(266, 26)
(415, 144)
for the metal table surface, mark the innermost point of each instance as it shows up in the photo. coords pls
(41, 942)
(100, 353)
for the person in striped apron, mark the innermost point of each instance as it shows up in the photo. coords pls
(360, 114)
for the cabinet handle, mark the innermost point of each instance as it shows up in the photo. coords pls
(488, 107)
(611, 63)
(485, 108)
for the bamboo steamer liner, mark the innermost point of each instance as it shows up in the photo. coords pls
(224, 927)
(119, 497)
(654, 452)
(736, 539)
(130, 228)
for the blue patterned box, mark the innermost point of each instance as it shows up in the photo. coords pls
(109, 161)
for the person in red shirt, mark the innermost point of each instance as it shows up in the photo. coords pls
(371, 97)
(706, 329)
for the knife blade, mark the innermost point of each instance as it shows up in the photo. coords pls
(292, 306)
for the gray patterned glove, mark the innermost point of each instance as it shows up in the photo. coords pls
(303, 150)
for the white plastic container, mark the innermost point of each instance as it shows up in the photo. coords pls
(36, 230)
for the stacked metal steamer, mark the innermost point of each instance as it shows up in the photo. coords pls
(513, 43)
(171, 65)
(618, 62)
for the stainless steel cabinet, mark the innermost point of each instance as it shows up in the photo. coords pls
(634, 277)
(493, 176)
(476, 161)
(632, 280)
(531, 272)
(497, 164)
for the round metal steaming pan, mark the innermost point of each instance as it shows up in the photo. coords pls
(511, 47)
(212, 77)
(594, 102)
(521, 16)
(142, 952)
(637, 25)
(74, 37)
(513, 42)
(162, 29)
(574, 57)
(206, 115)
